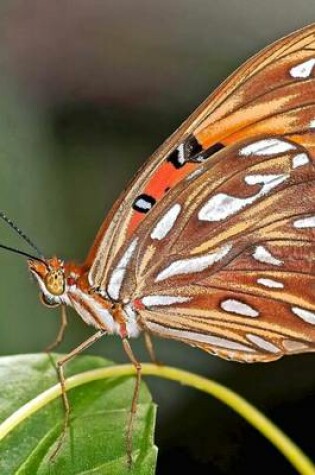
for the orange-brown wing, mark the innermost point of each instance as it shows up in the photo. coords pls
(226, 261)
(271, 94)
(249, 311)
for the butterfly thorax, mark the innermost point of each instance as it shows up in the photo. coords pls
(68, 284)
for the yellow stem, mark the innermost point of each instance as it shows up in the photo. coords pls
(278, 438)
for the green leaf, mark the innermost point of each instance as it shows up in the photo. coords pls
(95, 441)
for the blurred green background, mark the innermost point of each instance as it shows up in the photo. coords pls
(88, 90)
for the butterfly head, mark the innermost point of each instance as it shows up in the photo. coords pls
(50, 275)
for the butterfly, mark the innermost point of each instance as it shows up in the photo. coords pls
(213, 241)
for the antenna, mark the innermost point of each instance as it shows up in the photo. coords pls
(22, 253)
(20, 233)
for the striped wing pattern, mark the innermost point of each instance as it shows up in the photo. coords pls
(272, 93)
(225, 259)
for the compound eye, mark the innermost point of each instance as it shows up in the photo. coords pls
(55, 282)
(48, 301)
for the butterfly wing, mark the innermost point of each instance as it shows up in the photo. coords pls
(248, 311)
(272, 93)
(226, 260)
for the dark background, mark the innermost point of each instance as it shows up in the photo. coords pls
(88, 89)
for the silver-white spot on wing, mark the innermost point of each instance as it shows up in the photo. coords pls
(143, 204)
(294, 346)
(181, 154)
(305, 222)
(266, 147)
(262, 343)
(300, 160)
(195, 173)
(117, 276)
(303, 70)
(199, 338)
(261, 254)
(270, 283)
(306, 315)
(166, 223)
(312, 124)
(156, 300)
(238, 307)
(221, 206)
(193, 264)
(268, 182)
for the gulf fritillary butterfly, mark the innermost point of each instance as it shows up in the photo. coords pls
(213, 242)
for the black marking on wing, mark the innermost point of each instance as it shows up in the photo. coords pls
(191, 151)
(143, 203)
(204, 155)
(184, 152)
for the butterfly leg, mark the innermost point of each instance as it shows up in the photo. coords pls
(135, 397)
(150, 348)
(60, 365)
(61, 332)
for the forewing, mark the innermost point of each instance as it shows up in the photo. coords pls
(226, 260)
(271, 94)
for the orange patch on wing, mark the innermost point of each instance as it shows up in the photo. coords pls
(164, 178)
